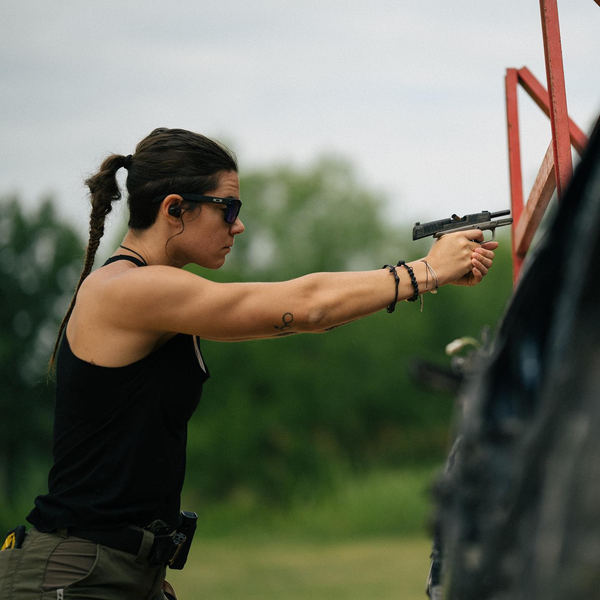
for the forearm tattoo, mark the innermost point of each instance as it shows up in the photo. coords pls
(286, 324)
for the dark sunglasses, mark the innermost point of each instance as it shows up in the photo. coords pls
(233, 204)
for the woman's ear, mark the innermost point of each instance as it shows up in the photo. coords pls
(172, 206)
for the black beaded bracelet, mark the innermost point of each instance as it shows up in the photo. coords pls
(392, 269)
(413, 280)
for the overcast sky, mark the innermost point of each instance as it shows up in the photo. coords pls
(412, 92)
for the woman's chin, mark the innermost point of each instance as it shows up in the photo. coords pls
(215, 264)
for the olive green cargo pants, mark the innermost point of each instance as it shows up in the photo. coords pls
(50, 566)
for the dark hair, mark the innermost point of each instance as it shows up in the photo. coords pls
(167, 161)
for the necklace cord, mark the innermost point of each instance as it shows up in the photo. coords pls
(130, 250)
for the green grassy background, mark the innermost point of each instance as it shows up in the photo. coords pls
(366, 539)
(366, 569)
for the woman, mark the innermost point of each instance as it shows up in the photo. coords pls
(130, 370)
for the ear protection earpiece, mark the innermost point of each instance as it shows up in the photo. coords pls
(175, 211)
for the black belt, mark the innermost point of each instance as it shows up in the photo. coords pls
(127, 539)
(159, 543)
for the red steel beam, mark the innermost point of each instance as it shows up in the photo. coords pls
(559, 116)
(539, 95)
(539, 198)
(514, 162)
(557, 165)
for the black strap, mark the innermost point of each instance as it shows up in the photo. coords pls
(127, 539)
(134, 252)
(133, 259)
(163, 549)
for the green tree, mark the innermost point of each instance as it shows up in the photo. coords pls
(40, 259)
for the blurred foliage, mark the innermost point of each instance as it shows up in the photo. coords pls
(376, 503)
(280, 419)
(300, 221)
(40, 260)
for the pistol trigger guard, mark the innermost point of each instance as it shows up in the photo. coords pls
(492, 239)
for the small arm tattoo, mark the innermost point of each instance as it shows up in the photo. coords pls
(287, 320)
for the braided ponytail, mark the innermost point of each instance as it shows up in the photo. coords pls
(104, 189)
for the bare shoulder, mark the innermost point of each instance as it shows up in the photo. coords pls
(135, 296)
(121, 275)
(119, 315)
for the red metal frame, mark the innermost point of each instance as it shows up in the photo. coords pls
(557, 166)
(559, 115)
(514, 162)
(526, 218)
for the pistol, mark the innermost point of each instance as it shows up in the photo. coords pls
(483, 220)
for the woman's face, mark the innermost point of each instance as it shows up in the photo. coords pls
(207, 237)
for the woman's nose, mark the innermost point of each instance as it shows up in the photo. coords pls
(237, 227)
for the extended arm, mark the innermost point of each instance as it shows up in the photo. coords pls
(164, 299)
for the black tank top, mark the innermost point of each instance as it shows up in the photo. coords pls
(120, 438)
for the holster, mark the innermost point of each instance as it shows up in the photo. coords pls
(189, 521)
(172, 547)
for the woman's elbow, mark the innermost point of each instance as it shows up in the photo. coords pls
(315, 319)
(315, 306)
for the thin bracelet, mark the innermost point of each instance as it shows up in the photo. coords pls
(392, 269)
(434, 277)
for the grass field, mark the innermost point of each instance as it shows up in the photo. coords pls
(366, 540)
(376, 569)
